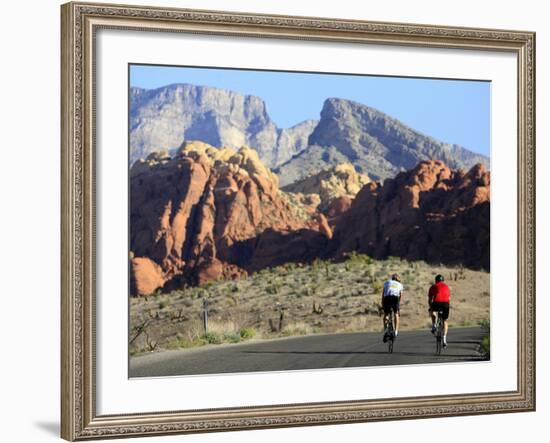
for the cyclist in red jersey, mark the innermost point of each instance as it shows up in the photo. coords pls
(439, 299)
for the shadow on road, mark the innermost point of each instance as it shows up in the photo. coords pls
(308, 352)
(396, 352)
(431, 354)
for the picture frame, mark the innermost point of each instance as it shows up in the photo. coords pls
(80, 23)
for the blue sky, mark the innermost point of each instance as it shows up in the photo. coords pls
(453, 111)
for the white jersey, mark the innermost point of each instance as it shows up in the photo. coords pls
(392, 288)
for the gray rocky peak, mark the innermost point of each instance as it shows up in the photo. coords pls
(165, 117)
(372, 141)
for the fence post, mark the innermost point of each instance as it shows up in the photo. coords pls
(281, 318)
(205, 314)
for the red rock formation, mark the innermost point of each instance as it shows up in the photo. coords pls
(201, 216)
(336, 208)
(430, 213)
(209, 214)
(147, 276)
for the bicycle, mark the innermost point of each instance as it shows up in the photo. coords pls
(439, 332)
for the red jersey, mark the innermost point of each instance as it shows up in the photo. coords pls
(440, 293)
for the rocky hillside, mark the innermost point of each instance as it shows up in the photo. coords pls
(339, 181)
(206, 213)
(430, 213)
(160, 119)
(372, 141)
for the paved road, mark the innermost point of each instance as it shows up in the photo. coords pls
(310, 352)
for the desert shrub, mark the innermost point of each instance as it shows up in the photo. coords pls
(232, 337)
(485, 346)
(246, 333)
(316, 265)
(485, 324)
(354, 257)
(178, 293)
(187, 302)
(297, 328)
(180, 343)
(264, 272)
(198, 292)
(290, 266)
(381, 273)
(368, 275)
(377, 286)
(212, 338)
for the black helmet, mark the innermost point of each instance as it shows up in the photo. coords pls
(439, 278)
(395, 277)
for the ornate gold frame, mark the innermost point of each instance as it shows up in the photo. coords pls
(79, 22)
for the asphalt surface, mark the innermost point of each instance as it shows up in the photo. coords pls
(311, 352)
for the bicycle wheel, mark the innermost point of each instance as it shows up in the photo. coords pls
(391, 333)
(438, 338)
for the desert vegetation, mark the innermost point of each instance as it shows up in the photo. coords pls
(298, 299)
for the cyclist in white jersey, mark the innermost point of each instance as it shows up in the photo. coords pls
(391, 296)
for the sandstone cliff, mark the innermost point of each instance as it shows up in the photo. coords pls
(430, 213)
(339, 181)
(209, 213)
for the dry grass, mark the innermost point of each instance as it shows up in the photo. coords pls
(323, 297)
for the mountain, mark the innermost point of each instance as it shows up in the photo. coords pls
(205, 214)
(161, 119)
(338, 181)
(375, 143)
(430, 213)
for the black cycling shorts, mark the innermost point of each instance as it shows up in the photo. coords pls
(390, 303)
(441, 306)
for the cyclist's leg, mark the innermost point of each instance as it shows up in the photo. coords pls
(445, 317)
(387, 312)
(445, 324)
(385, 316)
(396, 319)
(433, 317)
